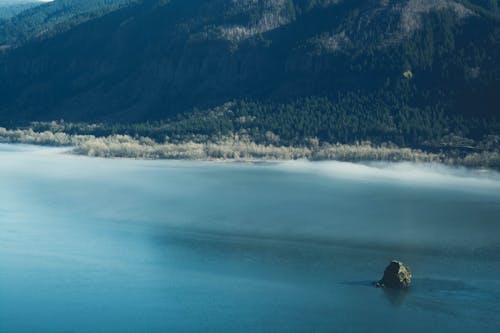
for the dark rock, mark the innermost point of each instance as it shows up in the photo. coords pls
(396, 276)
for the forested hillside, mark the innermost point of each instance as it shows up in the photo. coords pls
(30, 20)
(10, 8)
(409, 71)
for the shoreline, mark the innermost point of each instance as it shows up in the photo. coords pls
(211, 153)
(242, 150)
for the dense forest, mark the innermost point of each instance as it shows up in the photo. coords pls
(315, 128)
(297, 122)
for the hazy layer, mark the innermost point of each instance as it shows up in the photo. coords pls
(330, 201)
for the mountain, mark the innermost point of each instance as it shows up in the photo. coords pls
(28, 19)
(10, 8)
(154, 59)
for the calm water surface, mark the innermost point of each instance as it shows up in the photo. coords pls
(94, 245)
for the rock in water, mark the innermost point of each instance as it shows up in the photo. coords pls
(396, 276)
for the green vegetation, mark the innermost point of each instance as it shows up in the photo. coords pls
(156, 59)
(313, 128)
(301, 74)
(347, 120)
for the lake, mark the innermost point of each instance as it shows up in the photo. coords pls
(113, 245)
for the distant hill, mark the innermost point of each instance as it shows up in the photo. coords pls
(27, 20)
(156, 59)
(10, 8)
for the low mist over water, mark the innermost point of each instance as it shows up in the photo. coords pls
(113, 245)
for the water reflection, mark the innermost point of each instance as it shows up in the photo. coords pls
(396, 297)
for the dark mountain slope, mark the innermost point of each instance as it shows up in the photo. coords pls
(159, 58)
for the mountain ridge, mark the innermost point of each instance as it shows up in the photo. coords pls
(155, 59)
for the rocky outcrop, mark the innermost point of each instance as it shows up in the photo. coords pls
(396, 276)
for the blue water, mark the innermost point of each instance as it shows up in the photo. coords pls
(110, 245)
